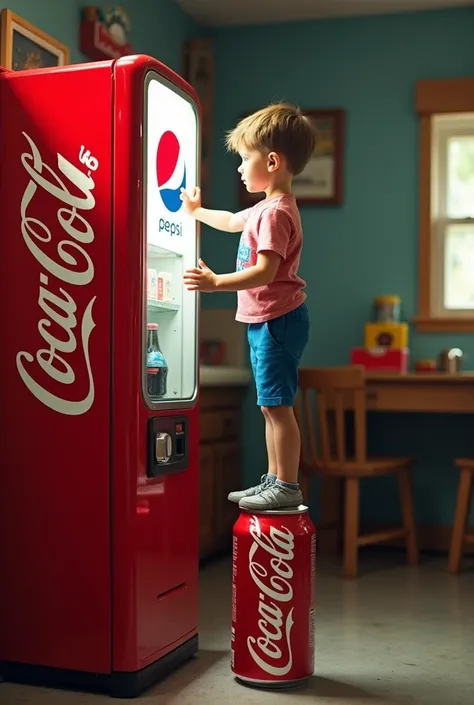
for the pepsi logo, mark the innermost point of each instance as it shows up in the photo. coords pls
(170, 171)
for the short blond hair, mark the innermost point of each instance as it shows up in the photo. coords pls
(278, 128)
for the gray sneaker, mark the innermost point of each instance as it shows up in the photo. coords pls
(265, 481)
(273, 496)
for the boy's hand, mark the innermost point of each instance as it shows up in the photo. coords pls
(191, 200)
(203, 279)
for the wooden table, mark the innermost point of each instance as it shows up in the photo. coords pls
(436, 392)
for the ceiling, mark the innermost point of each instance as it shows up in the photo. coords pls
(220, 13)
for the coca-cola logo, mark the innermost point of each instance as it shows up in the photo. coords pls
(65, 239)
(271, 650)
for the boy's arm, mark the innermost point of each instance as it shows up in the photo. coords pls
(220, 220)
(273, 239)
(259, 274)
(274, 231)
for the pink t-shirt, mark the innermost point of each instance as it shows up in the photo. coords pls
(273, 224)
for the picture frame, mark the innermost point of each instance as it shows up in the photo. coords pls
(199, 71)
(23, 46)
(321, 181)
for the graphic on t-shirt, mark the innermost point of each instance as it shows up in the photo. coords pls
(245, 255)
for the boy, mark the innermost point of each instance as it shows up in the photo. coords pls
(274, 144)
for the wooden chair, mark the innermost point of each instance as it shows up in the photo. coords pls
(460, 535)
(339, 390)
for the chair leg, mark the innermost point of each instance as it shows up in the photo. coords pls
(305, 485)
(351, 529)
(460, 520)
(331, 489)
(408, 516)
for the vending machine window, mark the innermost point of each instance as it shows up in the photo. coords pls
(170, 312)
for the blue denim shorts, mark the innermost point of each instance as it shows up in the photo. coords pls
(276, 347)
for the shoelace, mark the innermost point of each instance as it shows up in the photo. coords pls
(270, 491)
(265, 481)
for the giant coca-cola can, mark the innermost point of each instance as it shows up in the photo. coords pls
(273, 597)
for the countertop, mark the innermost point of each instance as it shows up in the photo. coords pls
(224, 375)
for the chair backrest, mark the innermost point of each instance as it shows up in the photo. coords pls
(338, 390)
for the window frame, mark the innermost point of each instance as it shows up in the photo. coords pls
(434, 98)
(445, 127)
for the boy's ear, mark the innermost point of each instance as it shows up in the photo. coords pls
(273, 161)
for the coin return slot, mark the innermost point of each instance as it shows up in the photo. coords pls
(163, 448)
(180, 449)
(168, 447)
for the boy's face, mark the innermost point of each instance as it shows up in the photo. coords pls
(254, 170)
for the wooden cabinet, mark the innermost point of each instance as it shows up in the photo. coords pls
(206, 497)
(219, 466)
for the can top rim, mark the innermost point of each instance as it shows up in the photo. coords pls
(302, 509)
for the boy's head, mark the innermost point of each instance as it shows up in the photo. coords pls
(280, 134)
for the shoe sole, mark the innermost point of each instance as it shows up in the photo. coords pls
(261, 508)
(234, 500)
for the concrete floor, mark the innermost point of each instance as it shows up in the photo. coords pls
(395, 636)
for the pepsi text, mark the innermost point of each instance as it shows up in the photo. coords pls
(170, 228)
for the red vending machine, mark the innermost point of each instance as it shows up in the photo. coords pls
(99, 370)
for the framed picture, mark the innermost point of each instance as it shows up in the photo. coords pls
(199, 72)
(321, 181)
(23, 46)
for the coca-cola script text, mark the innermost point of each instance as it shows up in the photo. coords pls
(72, 266)
(273, 645)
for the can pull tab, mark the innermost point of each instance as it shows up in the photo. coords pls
(163, 448)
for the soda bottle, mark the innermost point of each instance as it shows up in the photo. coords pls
(157, 368)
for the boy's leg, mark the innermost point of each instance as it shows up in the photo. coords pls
(270, 477)
(270, 441)
(287, 443)
(285, 492)
(280, 346)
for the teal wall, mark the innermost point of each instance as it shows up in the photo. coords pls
(369, 246)
(159, 27)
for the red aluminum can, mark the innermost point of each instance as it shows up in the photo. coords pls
(273, 597)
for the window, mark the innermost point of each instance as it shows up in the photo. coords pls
(446, 251)
(452, 215)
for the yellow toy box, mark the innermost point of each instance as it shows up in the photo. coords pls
(386, 335)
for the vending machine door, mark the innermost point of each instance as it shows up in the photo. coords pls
(155, 372)
(170, 336)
